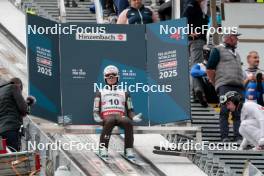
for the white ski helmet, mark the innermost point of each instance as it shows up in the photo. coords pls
(111, 70)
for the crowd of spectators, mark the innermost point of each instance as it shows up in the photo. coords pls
(215, 70)
(221, 71)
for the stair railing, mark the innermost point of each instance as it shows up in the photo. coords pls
(62, 11)
(98, 11)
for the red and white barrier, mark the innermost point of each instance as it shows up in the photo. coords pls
(3, 146)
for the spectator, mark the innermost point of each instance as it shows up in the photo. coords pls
(196, 18)
(252, 120)
(137, 13)
(30, 9)
(198, 73)
(205, 90)
(108, 7)
(120, 6)
(254, 87)
(252, 126)
(165, 10)
(12, 108)
(225, 72)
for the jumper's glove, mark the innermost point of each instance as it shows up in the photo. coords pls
(31, 100)
(137, 118)
(97, 118)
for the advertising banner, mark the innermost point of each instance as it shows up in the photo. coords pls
(152, 62)
(43, 68)
(167, 65)
(84, 57)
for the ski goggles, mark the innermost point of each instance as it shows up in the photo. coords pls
(111, 76)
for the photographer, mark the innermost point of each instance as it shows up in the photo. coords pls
(13, 107)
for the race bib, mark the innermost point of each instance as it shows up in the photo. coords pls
(112, 102)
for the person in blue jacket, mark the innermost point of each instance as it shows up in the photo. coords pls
(253, 79)
(255, 90)
(198, 72)
(204, 90)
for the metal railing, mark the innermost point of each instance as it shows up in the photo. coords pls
(99, 12)
(176, 6)
(62, 11)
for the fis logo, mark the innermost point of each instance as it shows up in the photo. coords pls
(120, 37)
(44, 61)
(171, 31)
(176, 36)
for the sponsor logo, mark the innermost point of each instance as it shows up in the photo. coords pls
(44, 61)
(120, 37)
(102, 37)
(169, 64)
(176, 36)
(112, 112)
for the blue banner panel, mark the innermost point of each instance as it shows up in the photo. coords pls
(66, 63)
(84, 57)
(167, 64)
(43, 68)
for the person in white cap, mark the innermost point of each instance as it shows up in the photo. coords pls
(113, 107)
(252, 119)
